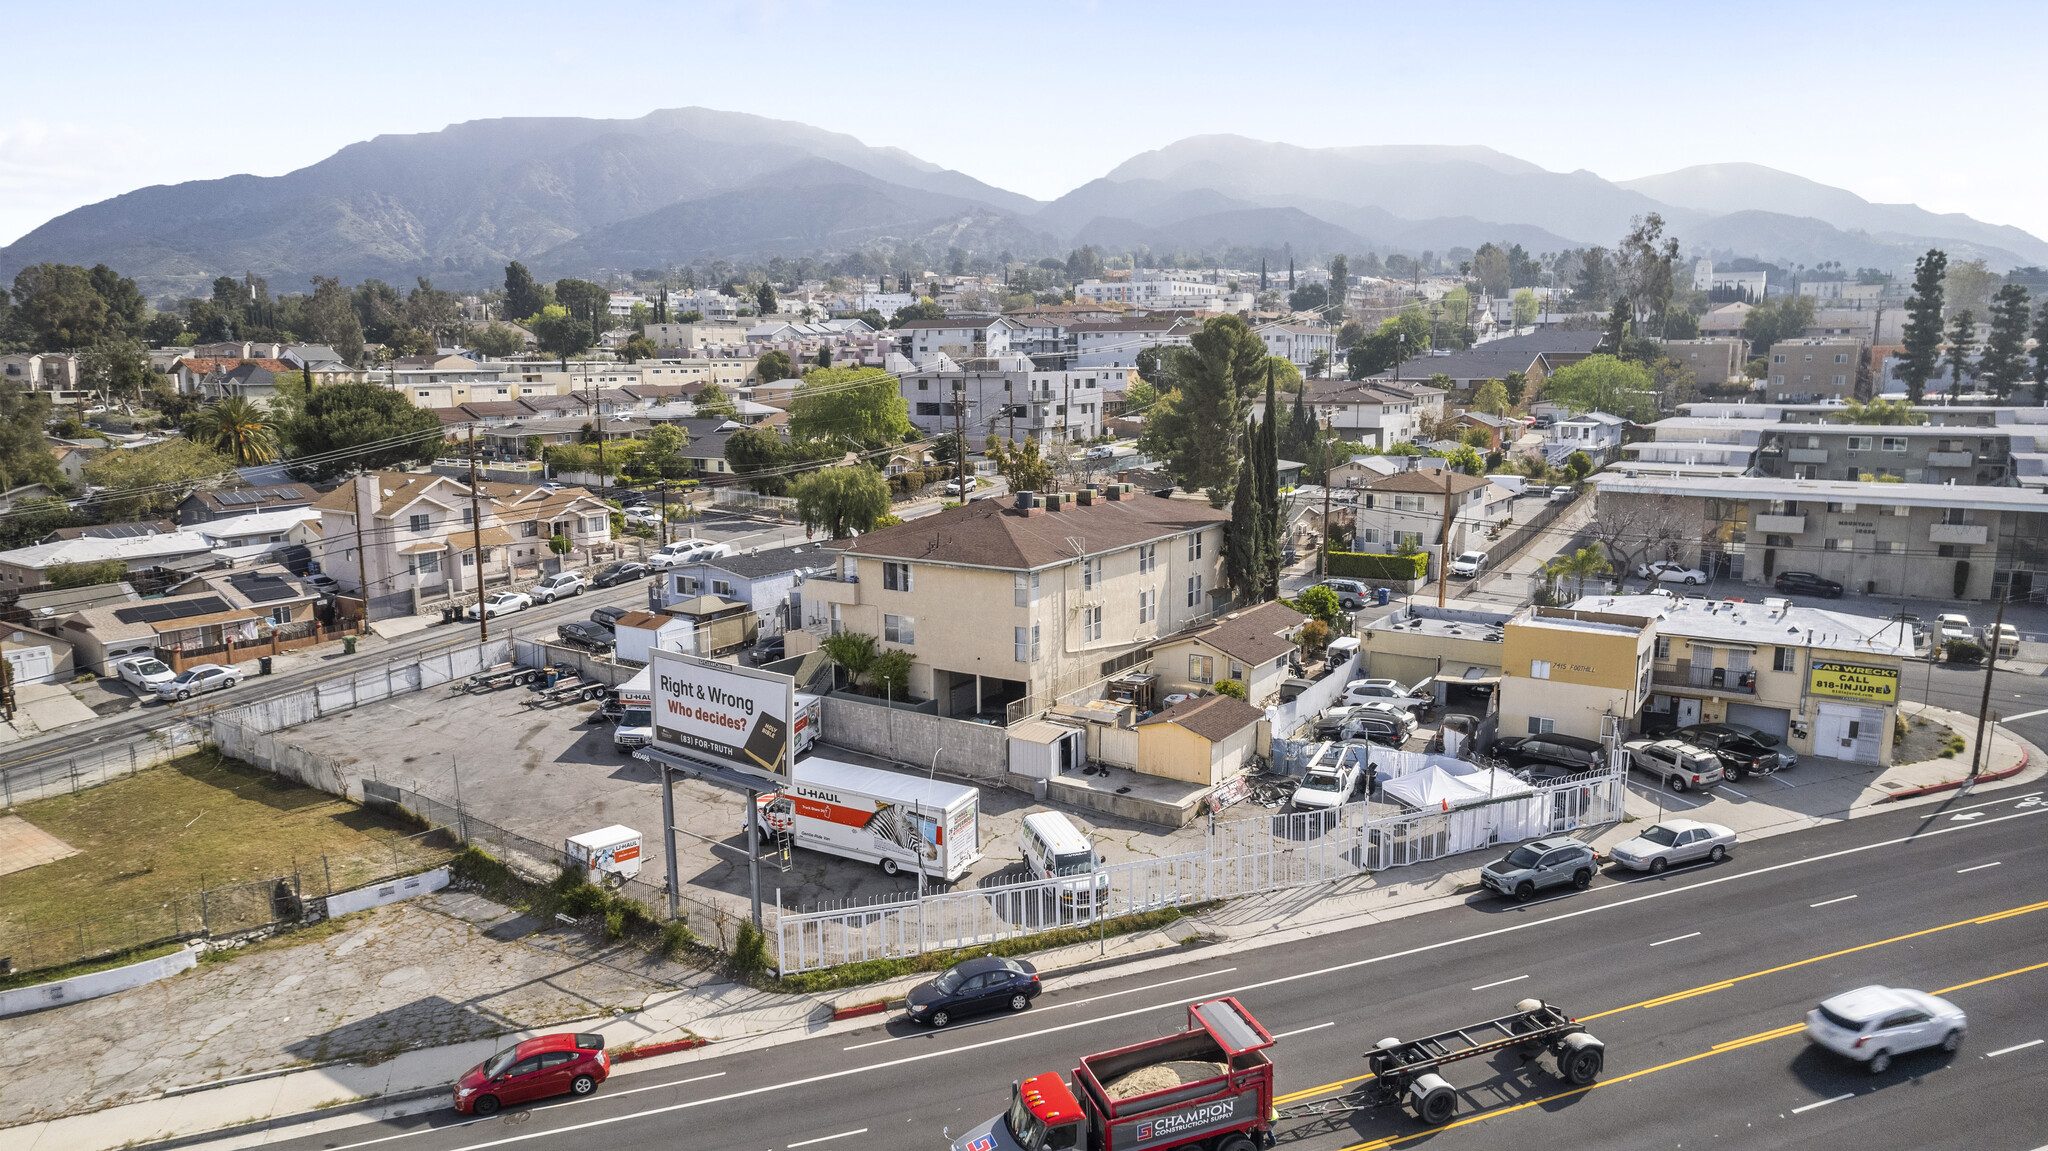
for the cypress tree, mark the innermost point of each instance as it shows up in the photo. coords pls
(1269, 494)
(1241, 562)
(1922, 337)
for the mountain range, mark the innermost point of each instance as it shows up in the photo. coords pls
(573, 196)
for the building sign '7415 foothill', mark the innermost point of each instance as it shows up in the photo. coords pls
(735, 717)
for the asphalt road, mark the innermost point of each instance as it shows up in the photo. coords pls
(1696, 980)
(21, 760)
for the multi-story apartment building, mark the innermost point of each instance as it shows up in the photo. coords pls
(418, 537)
(1004, 607)
(1975, 446)
(1116, 343)
(957, 337)
(1813, 368)
(1933, 541)
(1007, 396)
(1716, 361)
(1298, 343)
(1571, 672)
(1153, 290)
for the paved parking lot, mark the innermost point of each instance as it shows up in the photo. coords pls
(549, 773)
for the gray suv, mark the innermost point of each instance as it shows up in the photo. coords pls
(1539, 864)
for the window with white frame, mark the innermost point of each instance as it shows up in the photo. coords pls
(1091, 624)
(1404, 502)
(1860, 443)
(1412, 539)
(895, 576)
(593, 524)
(1894, 443)
(1782, 658)
(1023, 588)
(1148, 557)
(1194, 591)
(1026, 641)
(528, 530)
(1663, 647)
(721, 587)
(838, 620)
(429, 563)
(1201, 669)
(1090, 569)
(1538, 725)
(1539, 669)
(1195, 545)
(422, 522)
(1148, 605)
(899, 629)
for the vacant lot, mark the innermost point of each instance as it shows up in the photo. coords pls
(160, 836)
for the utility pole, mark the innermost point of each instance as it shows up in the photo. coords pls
(476, 523)
(1984, 703)
(960, 432)
(1443, 567)
(1323, 552)
(362, 557)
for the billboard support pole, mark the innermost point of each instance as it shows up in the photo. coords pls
(754, 851)
(668, 826)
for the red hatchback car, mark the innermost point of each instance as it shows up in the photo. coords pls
(535, 1069)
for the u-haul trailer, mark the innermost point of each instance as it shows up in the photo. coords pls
(898, 822)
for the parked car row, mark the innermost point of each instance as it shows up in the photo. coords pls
(686, 552)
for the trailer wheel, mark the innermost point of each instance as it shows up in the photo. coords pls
(1237, 1143)
(888, 866)
(1582, 1064)
(1437, 1107)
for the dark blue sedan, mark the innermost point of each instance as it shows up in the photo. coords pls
(971, 987)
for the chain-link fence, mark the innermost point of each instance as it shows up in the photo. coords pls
(69, 772)
(293, 894)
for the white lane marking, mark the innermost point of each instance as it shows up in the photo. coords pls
(630, 1091)
(828, 1138)
(1967, 816)
(1669, 796)
(1825, 902)
(1501, 983)
(1979, 867)
(2013, 1048)
(1129, 990)
(1675, 939)
(1782, 783)
(956, 1052)
(1732, 791)
(1320, 1026)
(1822, 1103)
(420, 1131)
(931, 1033)
(2024, 715)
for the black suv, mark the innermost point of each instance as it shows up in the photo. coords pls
(1740, 756)
(1571, 751)
(1807, 583)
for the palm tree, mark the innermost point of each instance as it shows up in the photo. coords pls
(240, 430)
(1587, 561)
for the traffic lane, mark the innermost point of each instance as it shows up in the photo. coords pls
(1746, 1071)
(1400, 1001)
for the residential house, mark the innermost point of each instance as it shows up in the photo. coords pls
(37, 656)
(637, 633)
(1249, 646)
(1067, 588)
(1825, 682)
(1407, 509)
(1297, 342)
(25, 569)
(1500, 431)
(1009, 396)
(1535, 354)
(958, 338)
(766, 581)
(205, 504)
(217, 616)
(1116, 343)
(324, 363)
(417, 539)
(71, 460)
(53, 372)
(1380, 412)
(1597, 434)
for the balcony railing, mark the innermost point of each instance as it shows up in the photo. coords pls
(1950, 459)
(1807, 455)
(1959, 533)
(1708, 678)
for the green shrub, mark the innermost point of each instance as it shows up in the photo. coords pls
(1962, 651)
(1899, 729)
(583, 900)
(1230, 687)
(1369, 566)
(676, 939)
(632, 915)
(476, 867)
(749, 950)
(615, 922)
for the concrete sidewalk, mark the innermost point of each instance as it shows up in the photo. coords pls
(313, 1100)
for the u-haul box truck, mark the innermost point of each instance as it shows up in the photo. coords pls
(899, 822)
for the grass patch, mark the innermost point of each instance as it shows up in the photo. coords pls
(156, 836)
(876, 970)
(72, 970)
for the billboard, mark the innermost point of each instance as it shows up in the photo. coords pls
(1879, 685)
(732, 716)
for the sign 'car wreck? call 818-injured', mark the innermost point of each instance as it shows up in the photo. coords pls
(1855, 681)
(718, 711)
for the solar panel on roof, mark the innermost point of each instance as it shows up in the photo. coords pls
(161, 612)
(261, 588)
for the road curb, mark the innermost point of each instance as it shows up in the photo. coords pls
(2026, 753)
(667, 1047)
(855, 1012)
(297, 1118)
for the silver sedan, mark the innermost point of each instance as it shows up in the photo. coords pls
(1674, 841)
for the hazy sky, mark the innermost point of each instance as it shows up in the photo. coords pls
(1936, 105)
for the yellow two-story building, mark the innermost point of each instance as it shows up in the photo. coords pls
(1566, 670)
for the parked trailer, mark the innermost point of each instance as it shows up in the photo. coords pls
(1211, 1084)
(882, 817)
(566, 688)
(1406, 1072)
(502, 675)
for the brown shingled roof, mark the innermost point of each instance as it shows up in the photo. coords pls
(1430, 483)
(1213, 717)
(992, 533)
(1252, 635)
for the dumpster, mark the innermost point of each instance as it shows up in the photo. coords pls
(1381, 594)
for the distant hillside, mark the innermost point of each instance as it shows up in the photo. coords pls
(584, 197)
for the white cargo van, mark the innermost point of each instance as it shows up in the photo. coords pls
(895, 821)
(1054, 848)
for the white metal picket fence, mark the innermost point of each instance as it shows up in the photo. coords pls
(1248, 856)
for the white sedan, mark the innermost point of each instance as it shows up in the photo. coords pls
(1666, 571)
(144, 671)
(1873, 1024)
(1385, 691)
(1674, 841)
(504, 603)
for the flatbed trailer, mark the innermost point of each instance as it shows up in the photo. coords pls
(1407, 1071)
(503, 675)
(566, 688)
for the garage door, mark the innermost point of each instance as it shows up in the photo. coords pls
(1851, 733)
(31, 664)
(1773, 720)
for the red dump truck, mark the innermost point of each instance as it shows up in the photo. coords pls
(1211, 1083)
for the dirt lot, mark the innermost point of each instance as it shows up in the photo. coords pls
(547, 774)
(160, 835)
